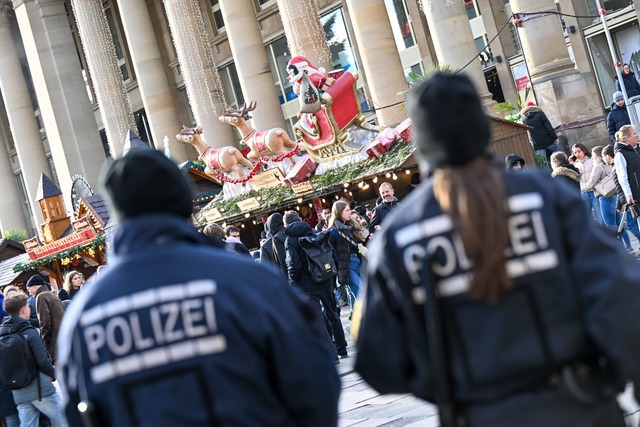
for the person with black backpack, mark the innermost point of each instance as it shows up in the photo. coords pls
(311, 267)
(25, 367)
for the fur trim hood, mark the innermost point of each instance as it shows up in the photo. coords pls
(531, 109)
(567, 170)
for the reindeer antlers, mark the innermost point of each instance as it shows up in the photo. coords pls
(240, 113)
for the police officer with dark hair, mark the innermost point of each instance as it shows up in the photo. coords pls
(482, 297)
(180, 333)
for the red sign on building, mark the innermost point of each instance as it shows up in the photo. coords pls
(63, 244)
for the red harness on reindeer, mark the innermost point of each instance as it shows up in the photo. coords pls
(210, 157)
(258, 138)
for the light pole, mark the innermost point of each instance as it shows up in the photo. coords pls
(630, 109)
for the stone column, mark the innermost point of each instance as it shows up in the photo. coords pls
(494, 18)
(304, 32)
(578, 43)
(24, 127)
(97, 43)
(252, 63)
(72, 132)
(564, 93)
(152, 77)
(543, 42)
(379, 56)
(204, 86)
(453, 41)
(11, 214)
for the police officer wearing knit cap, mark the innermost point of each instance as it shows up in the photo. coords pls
(178, 332)
(483, 298)
(618, 116)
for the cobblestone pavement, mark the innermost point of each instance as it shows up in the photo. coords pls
(361, 406)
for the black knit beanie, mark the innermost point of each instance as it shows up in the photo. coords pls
(146, 181)
(450, 125)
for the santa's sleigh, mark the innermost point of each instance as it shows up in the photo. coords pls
(339, 116)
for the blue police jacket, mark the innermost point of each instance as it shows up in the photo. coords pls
(179, 333)
(575, 296)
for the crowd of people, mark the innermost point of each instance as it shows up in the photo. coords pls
(470, 290)
(36, 318)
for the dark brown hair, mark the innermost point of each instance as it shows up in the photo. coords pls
(582, 148)
(474, 196)
(12, 305)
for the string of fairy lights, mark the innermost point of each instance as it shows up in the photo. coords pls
(313, 42)
(198, 67)
(326, 199)
(100, 52)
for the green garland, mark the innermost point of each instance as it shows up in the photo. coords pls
(76, 250)
(275, 197)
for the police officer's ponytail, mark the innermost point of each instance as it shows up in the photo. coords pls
(474, 196)
(452, 134)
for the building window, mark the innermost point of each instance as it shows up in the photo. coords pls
(342, 56)
(119, 42)
(278, 54)
(231, 85)
(338, 41)
(400, 24)
(412, 72)
(217, 15)
(187, 105)
(470, 7)
(265, 3)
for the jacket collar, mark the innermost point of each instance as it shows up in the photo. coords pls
(152, 230)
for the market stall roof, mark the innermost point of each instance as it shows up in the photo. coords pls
(204, 187)
(96, 207)
(46, 188)
(7, 274)
(10, 248)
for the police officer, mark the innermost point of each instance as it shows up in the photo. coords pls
(536, 314)
(178, 332)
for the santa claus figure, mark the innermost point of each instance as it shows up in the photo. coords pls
(296, 68)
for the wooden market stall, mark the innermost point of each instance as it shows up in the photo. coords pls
(67, 244)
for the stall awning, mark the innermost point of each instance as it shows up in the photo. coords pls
(7, 274)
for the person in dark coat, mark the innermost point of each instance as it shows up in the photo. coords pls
(542, 135)
(514, 162)
(275, 225)
(618, 116)
(561, 168)
(319, 294)
(630, 83)
(200, 336)
(50, 312)
(233, 242)
(386, 203)
(73, 282)
(8, 409)
(40, 395)
(508, 270)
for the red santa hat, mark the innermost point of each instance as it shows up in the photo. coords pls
(300, 63)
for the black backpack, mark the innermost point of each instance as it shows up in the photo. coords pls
(17, 366)
(318, 253)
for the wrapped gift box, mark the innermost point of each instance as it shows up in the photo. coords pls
(383, 143)
(404, 130)
(301, 171)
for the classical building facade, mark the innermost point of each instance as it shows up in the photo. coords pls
(76, 75)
